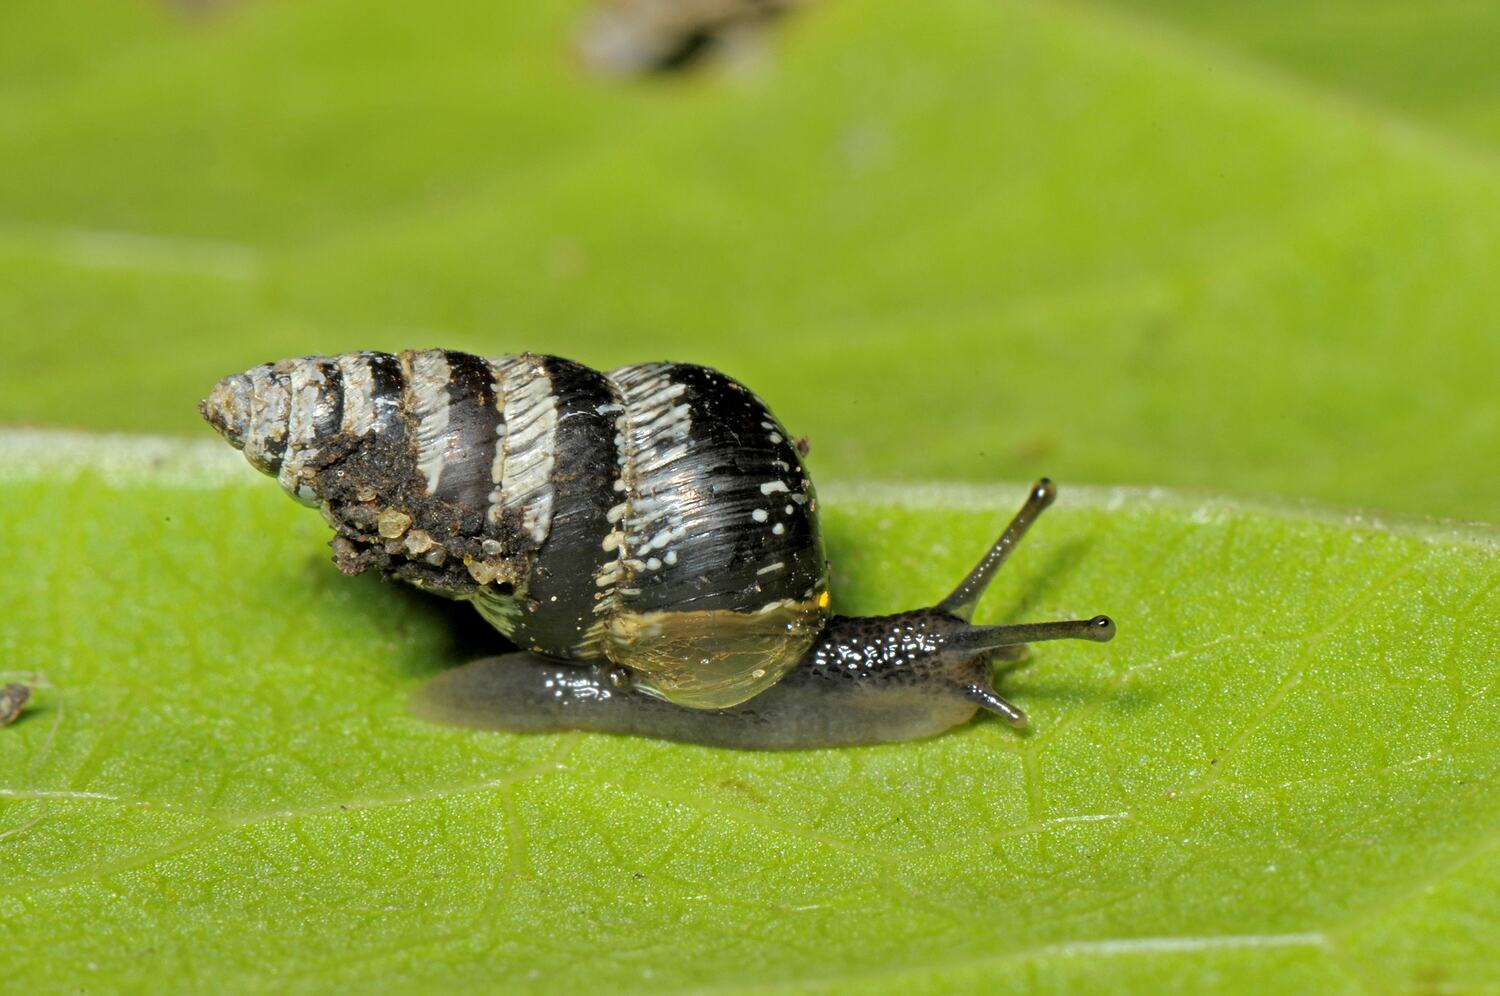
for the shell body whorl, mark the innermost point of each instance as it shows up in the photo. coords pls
(657, 516)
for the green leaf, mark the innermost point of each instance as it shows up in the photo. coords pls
(1278, 777)
(1431, 64)
(969, 240)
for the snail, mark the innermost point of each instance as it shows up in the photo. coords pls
(647, 538)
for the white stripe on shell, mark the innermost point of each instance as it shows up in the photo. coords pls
(359, 390)
(653, 434)
(306, 386)
(498, 368)
(527, 448)
(427, 376)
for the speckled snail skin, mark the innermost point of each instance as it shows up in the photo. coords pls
(648, 536)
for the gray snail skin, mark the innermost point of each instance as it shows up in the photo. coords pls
(647, 537)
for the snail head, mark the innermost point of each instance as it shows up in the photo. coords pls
(938, 652)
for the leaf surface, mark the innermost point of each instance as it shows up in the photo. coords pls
(1279, 776)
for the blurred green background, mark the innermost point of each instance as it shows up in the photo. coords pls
(1245, 247)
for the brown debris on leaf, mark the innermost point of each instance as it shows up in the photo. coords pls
(12, 700)
(636, 37)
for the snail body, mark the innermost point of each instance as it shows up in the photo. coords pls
(648, 538)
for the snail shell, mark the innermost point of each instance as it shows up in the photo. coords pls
(656, 517)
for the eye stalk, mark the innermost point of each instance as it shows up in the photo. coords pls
(1099, 629)
(962, 600)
